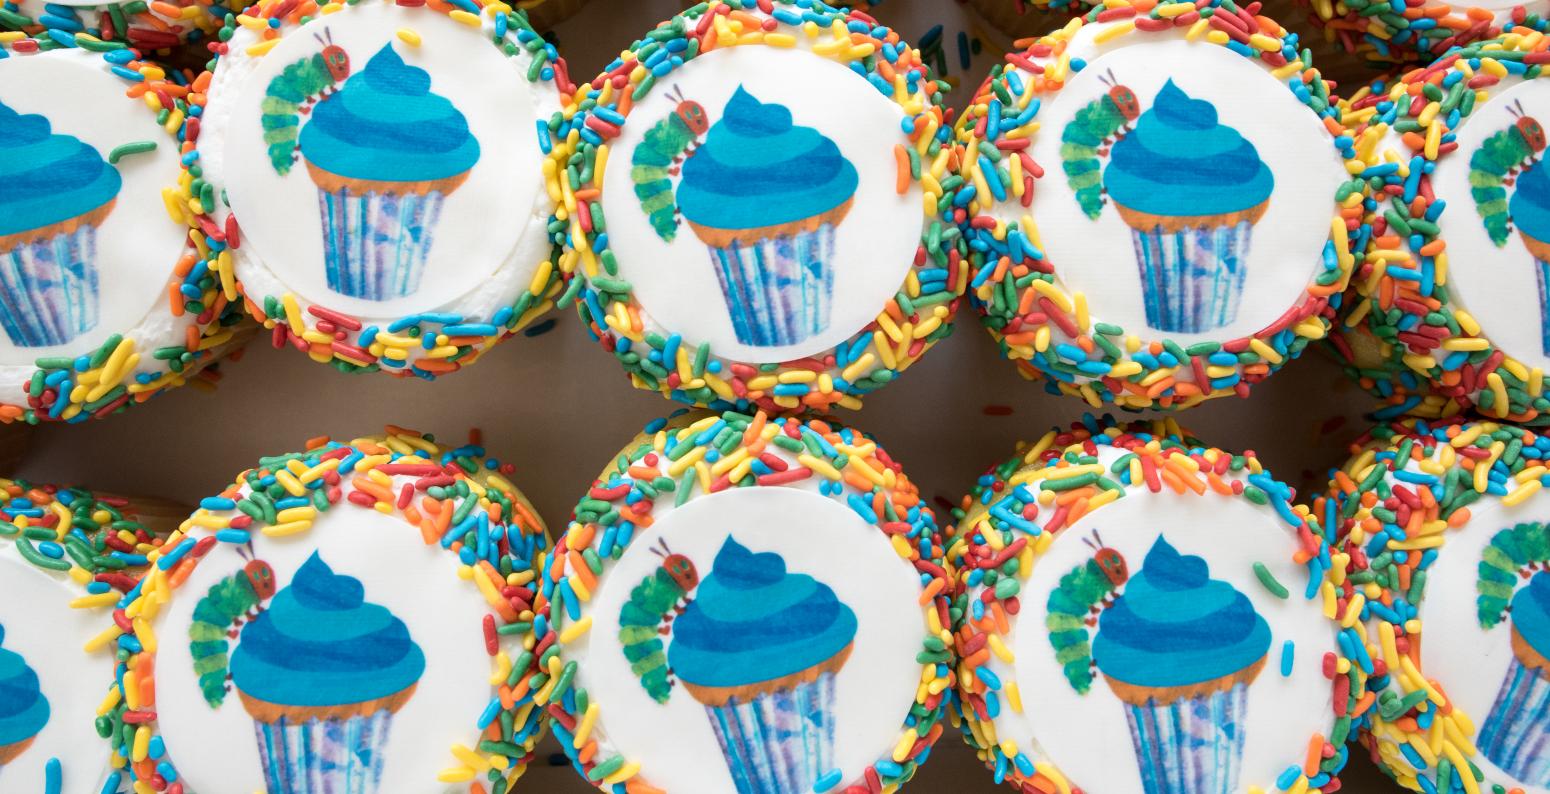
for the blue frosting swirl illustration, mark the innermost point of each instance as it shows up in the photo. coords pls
(320, 644)
(1530, 203)
(1531, 612)
(1179, 162)
(385, 125)
(757, 169)
(47, 178)
(1176, 626)
(23, 708)
(751, 621)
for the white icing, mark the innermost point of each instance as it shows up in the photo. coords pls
(1470, 663)
(1098, 257)
(50, 636)
(478, 262)
(441, 611)
(818, 536)
(1087, 737)
(875, 244)
(1499, 282)
(138, 244)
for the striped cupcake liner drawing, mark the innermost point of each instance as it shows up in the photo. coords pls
(1192, 280)
(1516, 733)
(778, 291)
(324, 756)
(778, 742)
(1191, 745)
(49, 289)
(1542, 276)
(375, 244)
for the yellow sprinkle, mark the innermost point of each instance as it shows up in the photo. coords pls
(574, 630)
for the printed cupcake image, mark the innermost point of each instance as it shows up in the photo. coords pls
(765, 195)
(320, 671)
(1513, 156)
(758, 647)
(1178, 648)
(55, 191)
(23, 709)
(1191, 190)
(384, 152)
(1516, 733)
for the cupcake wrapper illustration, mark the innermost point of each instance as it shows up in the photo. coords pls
(1516, 733)
(1192, 745)
(1192, 276)
(49, 285)
(376, 236)
(1541, 254)
(323, 756)
(778, 289)
(780, 741)
(9, 752)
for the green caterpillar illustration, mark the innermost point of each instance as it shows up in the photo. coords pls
(659, 156)
(293, 92)
(218, 618)
(1073, 606)
(1496, 163)
(1088, 137)
(1514, 553)
(645, 619)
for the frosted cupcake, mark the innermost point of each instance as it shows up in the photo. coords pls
(765, 195)
(384, 152)
(1181, 649)
(23, 708)
(1128, 580)
(1191, 190)
(1515, 735)
(322, 672)
(291, 658)
(58, 189)
(724, 654)
(781, 623)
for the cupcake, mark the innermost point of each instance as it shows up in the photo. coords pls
(355, 157)
(322, 672)
(1127, 230)
(290, 656)
(101, 305)
(765, 196)
(157, 28)
(1449, 285)
(1192, 219)
(23, 708)
(59, 191)
(1181, 649)
(775, 618)
(1128, 580)
(1445, 541)
(67, 558)
(761, 252)
(726, 659)
(380, 196)
(1381, 35)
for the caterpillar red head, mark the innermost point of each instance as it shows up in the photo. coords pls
(1124, 98)
(1109, 561)
(691, 113)
(679, 567)
(260, 574)
(1533, 134)
(334, 56)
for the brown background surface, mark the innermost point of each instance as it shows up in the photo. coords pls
(559, 408)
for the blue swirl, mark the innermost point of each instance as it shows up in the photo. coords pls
(23, 709)
(1530, 203)
(385, 125)
(319, 644)
(1179, 162)
(1176, 626)
(757, 169)
(47, 178)
(1531, 612)
(751, 622)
